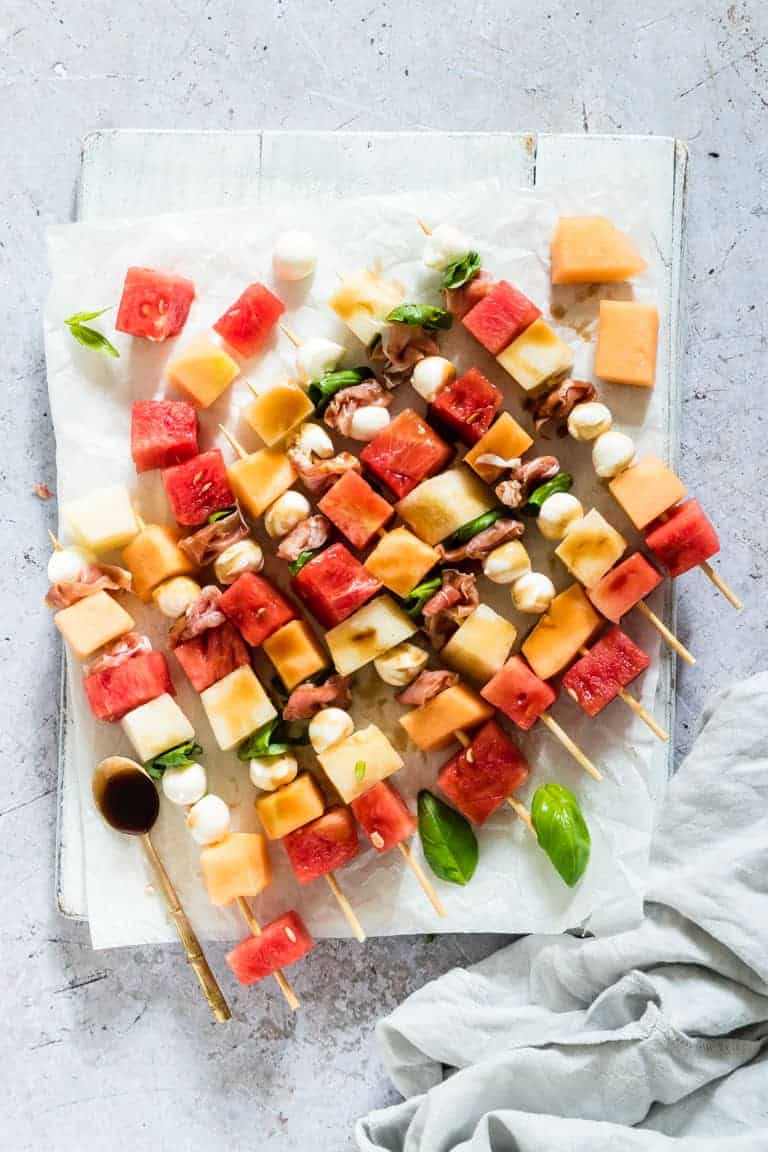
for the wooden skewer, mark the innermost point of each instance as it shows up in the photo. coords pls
(346, 907)
(424, 227)
(521, 810)
(422, 877)
(54, 541)
(668, 636)
(721, 585)
(286, 331)
(234, 444)
(255, 929)
(637, 708)
(570, 746)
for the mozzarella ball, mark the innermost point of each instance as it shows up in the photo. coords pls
(68, 564)
(185, 786)
(271, 772)
(286, 512)
(328, 727)
(557, 514)
(507, 563)
(401, 664)
(445, 244)
(294, 255)
(311, 438)
(244, 556)
(209, 820)
(533, 593)
(367, 421)
(174, 596)
(613, 453)
(590, 420)
(430, 375)
(316, 356)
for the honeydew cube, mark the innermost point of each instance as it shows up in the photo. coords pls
(202, 371)
(364, 301)
(627, 337)
(92, 622)
(591, 548)
(295, 653)
(236, 866)
(236, 706)
(259, 478)
(401, 561)
(290, 807)
(646, 490)
(368, 633)
(505, 439)
(481, 645)
(536, 356)
(592, 250)
(102, 520)
(279, 410)
(434, 724)
(569, 623)
(368, 747)
(437, 507)
(154, 556)
(157, 726)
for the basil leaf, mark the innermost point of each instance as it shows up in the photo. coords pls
(427, 316)
(82, 317)
(321, 391)
(302, 559)
(90, 338)
(563, 482)
(450, 845)
(461, 270)
(221, 515)
(259, 743)
(475, 527)
(179, 757)
(360, 769)
(561, 830)
(418, 596)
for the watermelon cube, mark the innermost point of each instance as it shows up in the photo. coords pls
(479, 778)
(519, 693)
(500, 317)
(685, 539)
(334, 584)
(212, 655)
(624, 587)
(280, 944)
(256, 607)
(198, 488)
(356, 510)
(114, 691)
(384, 816)
(406, 452)
(323, 845)
(163, 432)
(247, 324)
(610, 665)
(154, 305)
(466, 406)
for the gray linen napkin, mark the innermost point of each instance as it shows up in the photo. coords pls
(650, 1040)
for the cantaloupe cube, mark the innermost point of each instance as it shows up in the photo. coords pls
(259, 478)
(481, 645)
(236, 866)
(401, 561)
(368, 747)
(569, 622)
(202, 371)
(439, 506)
(363, 302)
(92, 622)
(592, 250)
(156, 727)
(591, 547)
(536, 356)
(647, 489)
(295, 653)
(368, 633)
(279, 410)
(627, 336)
(290, 807)
(236, 706)
(154, 556)
(505, 439)
(102, 520)
(434, 724)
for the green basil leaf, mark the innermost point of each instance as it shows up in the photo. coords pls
(450, 845)
(90, 338)
(302, 559)
(461, 270)
(221, 514)
(563, 482)
(427, 316)
(321, 391)
(360, 769)
(259, 743)
(475, 527)
(82, 317)
(561, 830)
(155, 773)
(179, 757)
(418, 596)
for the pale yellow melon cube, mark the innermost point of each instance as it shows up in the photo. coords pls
(435, 724)
(202, 371)
(368, 747)
(591, 547)
(156, 727)
(154, 556)
(364, 301)
(506, 439)
(295, 653)
(290, 807)
(569, 623)
(439, 506)
(368, 633)
(480, 646)
(92, 622)
(276, 412)
(647, 489)
(401, 561)
(236, 706)
(592, 250)
(102, 520)
(259, 478)
(236, 866)
(536, 356)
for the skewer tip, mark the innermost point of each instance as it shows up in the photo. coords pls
(54, 541)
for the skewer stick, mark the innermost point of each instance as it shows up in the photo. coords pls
(346, 908)
(234, 444)
(255, 929)
(422, 877)
(286, 331)
(637, 708)
(721, 585)
(424, 227)
(580, 757)
(521, 811)
(54, 541)
(664, 632)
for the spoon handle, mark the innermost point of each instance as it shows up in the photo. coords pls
(205, 976)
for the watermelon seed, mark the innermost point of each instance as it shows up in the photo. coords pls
(470, 756)
(377, 840)
(291, 935)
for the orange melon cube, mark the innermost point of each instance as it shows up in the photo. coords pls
(276, 412)
(592, 250)
(646, 490)
(236, 866)
(259, 478)
(568, 624)
(401, 561)
(295, 653)
(506, 439)
(154, 556)
(434, 724)
(289, 807)
(202, 371)
(627, 338)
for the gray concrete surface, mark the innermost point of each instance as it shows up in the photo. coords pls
(113, 1050)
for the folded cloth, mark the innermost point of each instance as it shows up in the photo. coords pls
(654, 1039)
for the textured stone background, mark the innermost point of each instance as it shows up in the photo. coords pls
(113, 1049)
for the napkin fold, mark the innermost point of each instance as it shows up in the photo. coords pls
(652, 1039)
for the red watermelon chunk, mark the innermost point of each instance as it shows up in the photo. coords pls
(624, 587)
(323, 845)
(356, 510)
(519, 693)
(163, 432)
(685, 539)
(479, 778)
(114, 691)
(334, 584)
(467, 405)
(256, 607)
(384, 816)
(153, 304)
(280, 944)
(406, 452)
(610, 665)
(501, 317)
(198, 488)
(212, 655)
(247, 324)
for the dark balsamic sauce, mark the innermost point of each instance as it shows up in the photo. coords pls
(130, 802)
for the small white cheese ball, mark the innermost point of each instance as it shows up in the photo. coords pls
(316, 356)
(244, 556)
(401, 665)
(174, 596)
(533, 593)
(328, 727)
(209, 820)
(590, 420)
(430, 375)
(312, 438)
(185, 786)
(557, 514)
(613, 453)
(367, 421)
(294, 255)
(271, 772)
(286, 512)
(68, 564)
(507, 563)
(445, 244)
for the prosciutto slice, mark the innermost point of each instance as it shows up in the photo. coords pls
(94, 578)
(307, 536)
(401, 348)
(426, 686)
(456, 599)
(207, 543)
(308, 699)
(515, 490)
(198, 618)
(459, 301)
(318, 475)
(558, 404)
(342, 407)
(484, 542)
(119, 651)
